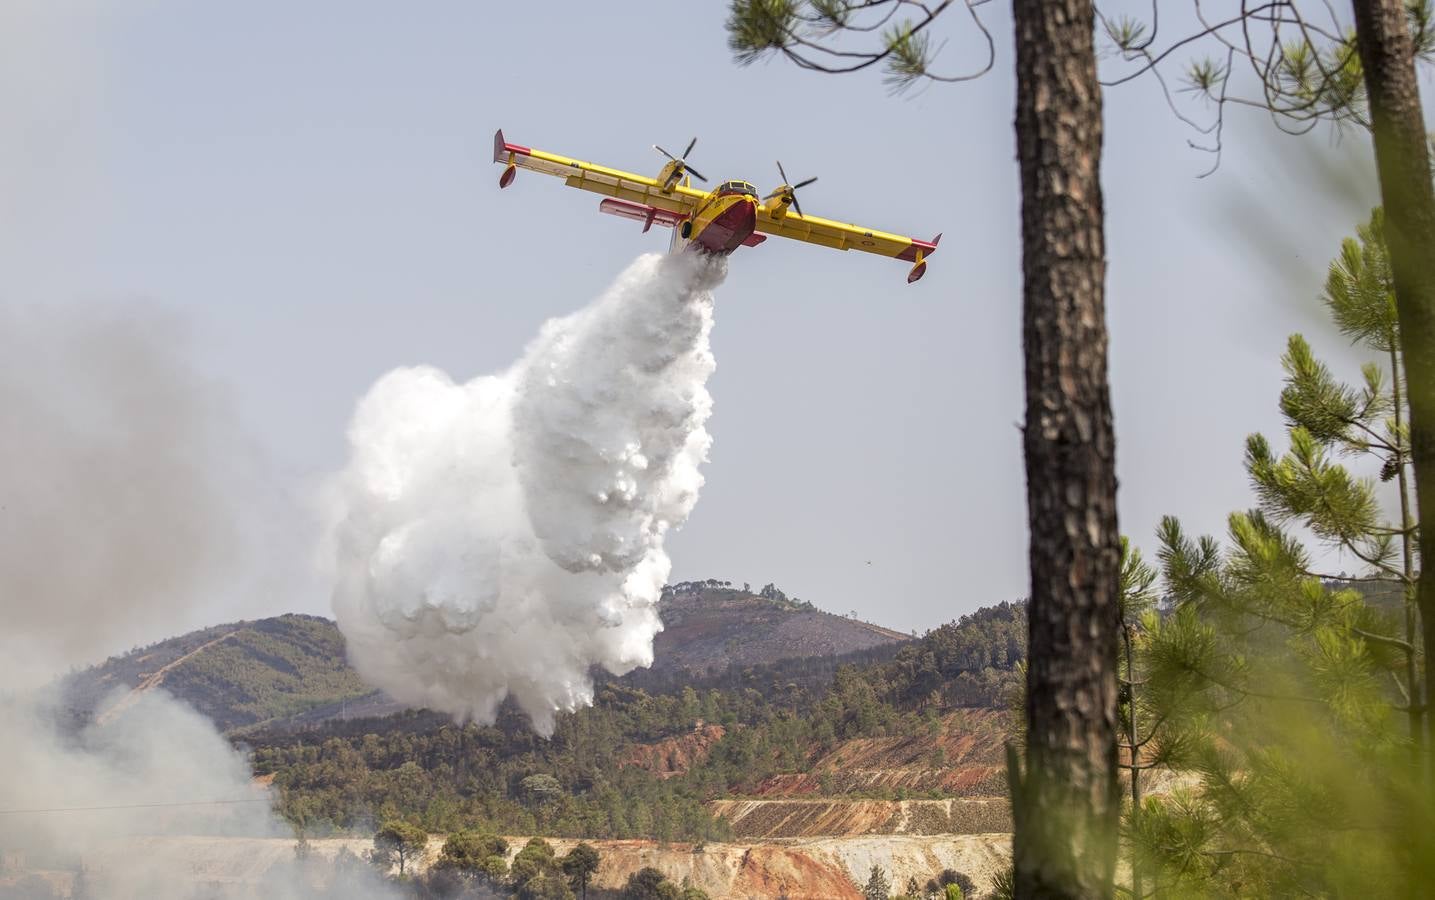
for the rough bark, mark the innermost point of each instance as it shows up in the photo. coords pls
(1067, 800)
(1387, 56)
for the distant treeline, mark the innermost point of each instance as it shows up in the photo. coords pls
(767, 592)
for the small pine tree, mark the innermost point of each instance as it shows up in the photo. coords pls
(1150, 735)
(878, 886)
(1272, 679)
(1368, 422)
(579, 865)
(398, 841)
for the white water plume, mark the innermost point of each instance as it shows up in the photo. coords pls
(503, 535)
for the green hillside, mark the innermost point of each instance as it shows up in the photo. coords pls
(291, 669)
(649, 765)
(238, 675)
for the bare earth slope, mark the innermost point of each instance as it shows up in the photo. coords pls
(812, 869)
(862, 787)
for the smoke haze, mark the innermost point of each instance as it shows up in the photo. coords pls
(118, 505)
(503, 535)
(127, 503)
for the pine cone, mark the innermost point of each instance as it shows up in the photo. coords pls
(1390, 469)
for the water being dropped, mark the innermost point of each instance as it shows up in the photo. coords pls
(500, 536)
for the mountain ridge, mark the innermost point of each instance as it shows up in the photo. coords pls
(292, 667)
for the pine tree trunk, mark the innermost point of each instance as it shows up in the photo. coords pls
(1067, 800)
(1387, 55)
(1415, 715)
(1134, 754)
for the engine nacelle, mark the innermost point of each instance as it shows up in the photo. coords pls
(672, 173)
(777, 206)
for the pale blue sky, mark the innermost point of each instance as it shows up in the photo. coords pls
(310, 184)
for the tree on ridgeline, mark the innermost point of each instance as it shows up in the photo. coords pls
(545, 886)
(579, 865)
(398, 842)
(475, 855)
(645, 884)
(536, 874)
(1065, 791)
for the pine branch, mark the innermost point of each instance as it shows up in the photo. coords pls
(1381, 639)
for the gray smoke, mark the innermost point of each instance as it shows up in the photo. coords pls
(115, 466)
(126, 497)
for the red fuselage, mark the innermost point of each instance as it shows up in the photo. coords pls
(733, 224)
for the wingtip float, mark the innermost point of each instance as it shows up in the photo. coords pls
(716, 221)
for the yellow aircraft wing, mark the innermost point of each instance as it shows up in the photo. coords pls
(598, 179)
(843, 236)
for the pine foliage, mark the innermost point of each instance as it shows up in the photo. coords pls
(1275, 691)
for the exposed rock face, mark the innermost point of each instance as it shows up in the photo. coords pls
(961, 757)
(675, 755)
(814, 869)
(773, 819)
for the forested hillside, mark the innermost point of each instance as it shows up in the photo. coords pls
(292, 667)
(237, 674)
(591, 779)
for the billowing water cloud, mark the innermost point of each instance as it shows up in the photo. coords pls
(502, 535)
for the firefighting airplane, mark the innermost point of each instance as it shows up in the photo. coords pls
(717, 221)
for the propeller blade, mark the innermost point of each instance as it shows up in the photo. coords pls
(664, 152)
(797, 206)
(803, 184)
(782, 173)
(692, 143)
(694, 172)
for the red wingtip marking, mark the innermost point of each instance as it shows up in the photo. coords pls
(927, 248)
(501, 148)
